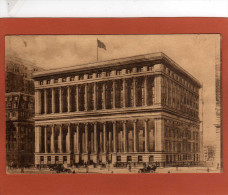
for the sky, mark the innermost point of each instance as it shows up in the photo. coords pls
(197, 54)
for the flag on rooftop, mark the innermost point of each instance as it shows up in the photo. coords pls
(100, 44)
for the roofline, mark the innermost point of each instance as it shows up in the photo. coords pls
(114, 62)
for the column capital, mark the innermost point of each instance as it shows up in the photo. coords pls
(95, 123)
(124, 121)
(68, 124)
(114, 122)
(135, 120)
(146, 120)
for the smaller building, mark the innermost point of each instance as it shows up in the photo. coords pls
(209, 154)
(19, 101)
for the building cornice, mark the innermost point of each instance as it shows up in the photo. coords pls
(116, 62)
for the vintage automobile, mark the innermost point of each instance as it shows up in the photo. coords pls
(59, 168)
(148, 169)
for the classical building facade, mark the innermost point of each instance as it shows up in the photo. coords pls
(20, 111)
(137, 109)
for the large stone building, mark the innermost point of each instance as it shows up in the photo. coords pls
(138, 109)
(19, 101)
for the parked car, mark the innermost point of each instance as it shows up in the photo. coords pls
(148, 169)
(59, 168)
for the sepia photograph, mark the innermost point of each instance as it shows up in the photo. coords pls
(113, 104)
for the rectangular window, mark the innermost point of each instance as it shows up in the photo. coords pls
(139, 69)
(90, 76)
(56, 158)
(81, 77)
(42, 158)
(118, 158)
(108, 74)
(140, 159)
(64, 158)
(71, 78)
(118, 72)
(99, 75)
(151, 159)
(49, 158)
(129, 158)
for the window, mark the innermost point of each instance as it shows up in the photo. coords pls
(90, 76)
(118, 72)
(118, 158)
(108, 74)
(129, 158)
(49, 158)
(81, 77)
(71, 78)
(150, 68)
(64, 158)
(151, 158)
(56, 158)
(48, 81)
(140, 159)
(129, 70)
(98, 75)
(55, 80)
(42, 158)
(139, 69)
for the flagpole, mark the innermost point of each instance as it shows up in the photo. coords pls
(97, 50)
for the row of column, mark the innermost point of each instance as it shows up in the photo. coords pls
(38, 103)
(76, 136)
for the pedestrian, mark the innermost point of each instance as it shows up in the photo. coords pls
(87, 169)
(129, 167)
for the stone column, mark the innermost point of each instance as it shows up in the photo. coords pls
(53, 100)
(145, 91)
(124, 93)
(60, 100)
(146, 135)
(60, 139)
(77, 138)
(86, 138)
(68, 138)
(52, 138)
(45, 101)
(114, 137)
(45, 139)
(68, 99)
(158, 89)
(37, 102)
(125, 135)
(114, 94)
(95, 95)
(134, 91)
(104, 96)
(37, 139)
(77, 98)
(95, 138)
(104, 137)
(86, 97)
(159, 135)
(135, 135)
(109, 141)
